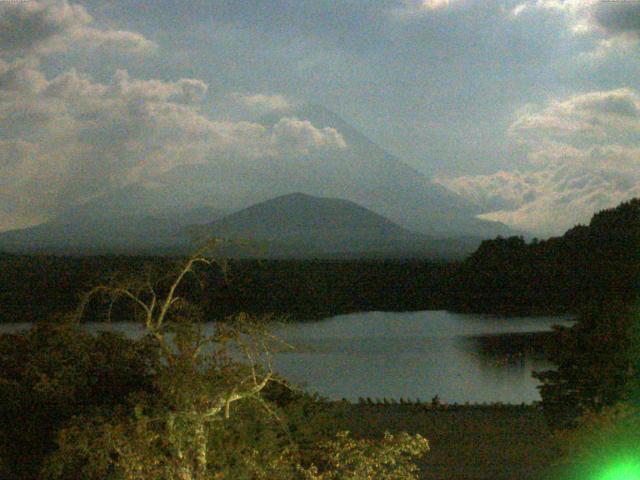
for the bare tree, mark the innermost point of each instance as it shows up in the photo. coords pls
(201, 385)
(200, 376)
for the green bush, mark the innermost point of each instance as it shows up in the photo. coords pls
(53, 372)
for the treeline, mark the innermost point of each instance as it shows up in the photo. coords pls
(594, 264)
(321, 288)
(35, 287)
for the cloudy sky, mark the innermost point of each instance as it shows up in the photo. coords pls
(530, 108)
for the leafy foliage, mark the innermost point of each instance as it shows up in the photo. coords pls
(598, 263)
(185, 405)
(55, 371)
(595, 365)
(348, 459)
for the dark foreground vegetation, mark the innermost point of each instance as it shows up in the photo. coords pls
(467, 442)
(81, 407)
(175, 405)
(34, 287)
(594, 264)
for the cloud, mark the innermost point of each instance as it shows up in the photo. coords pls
(186, 90)
(550, 200)
(417, 8)
(261, 102)
(112, 40)
(22, 75)
(434, 4)
(612, 115)
(68, 138)
(584, 153)
(617, 22)
(621, 17)
(293, 136)
(46, 26)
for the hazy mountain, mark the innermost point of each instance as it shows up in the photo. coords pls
(148, 214)
(91, 231)
(300, 225)
(370, 176)
(362, 172)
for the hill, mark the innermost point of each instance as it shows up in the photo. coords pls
(367, 174)
(299, 225)
(95, 232)
(361, 172)
(147, 216)
(590, 264)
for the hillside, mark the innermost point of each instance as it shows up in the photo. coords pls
(361, 172)
(596, 263)
(95, 232)
(147, 216)
(300, 225)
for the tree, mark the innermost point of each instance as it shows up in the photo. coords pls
(210, 412)
(53, 372)
(604, 444)
(348, 459)
(597, 365)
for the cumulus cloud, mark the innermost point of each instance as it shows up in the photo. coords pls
(599, 116)
(585, 156)
(112, 40)
(294, 136)
(416, 8)
(45, 26)
(435, 4)
(617, 17)
(68, 138)
(262, 102)
(616, 22)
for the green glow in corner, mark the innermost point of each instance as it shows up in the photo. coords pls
(623, 470)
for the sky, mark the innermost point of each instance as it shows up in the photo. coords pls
(529, 108)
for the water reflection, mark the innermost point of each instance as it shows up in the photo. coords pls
(418, 355)
(410, 355)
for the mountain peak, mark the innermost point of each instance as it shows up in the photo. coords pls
(297, 224)
(300, 212)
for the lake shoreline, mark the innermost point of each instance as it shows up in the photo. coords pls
(381, 355)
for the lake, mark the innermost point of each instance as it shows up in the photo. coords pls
(409, 354)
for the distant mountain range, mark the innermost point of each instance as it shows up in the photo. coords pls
(151, 215)
(290, 226)
(80, 233)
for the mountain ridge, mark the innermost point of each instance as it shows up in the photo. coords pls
(301, 225)
(362, 172)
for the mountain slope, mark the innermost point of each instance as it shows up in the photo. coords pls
(370, 176)
(88, 232)
(147, 215)
(361, 172)
(301, 225)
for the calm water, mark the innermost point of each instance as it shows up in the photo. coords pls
(410, 355)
